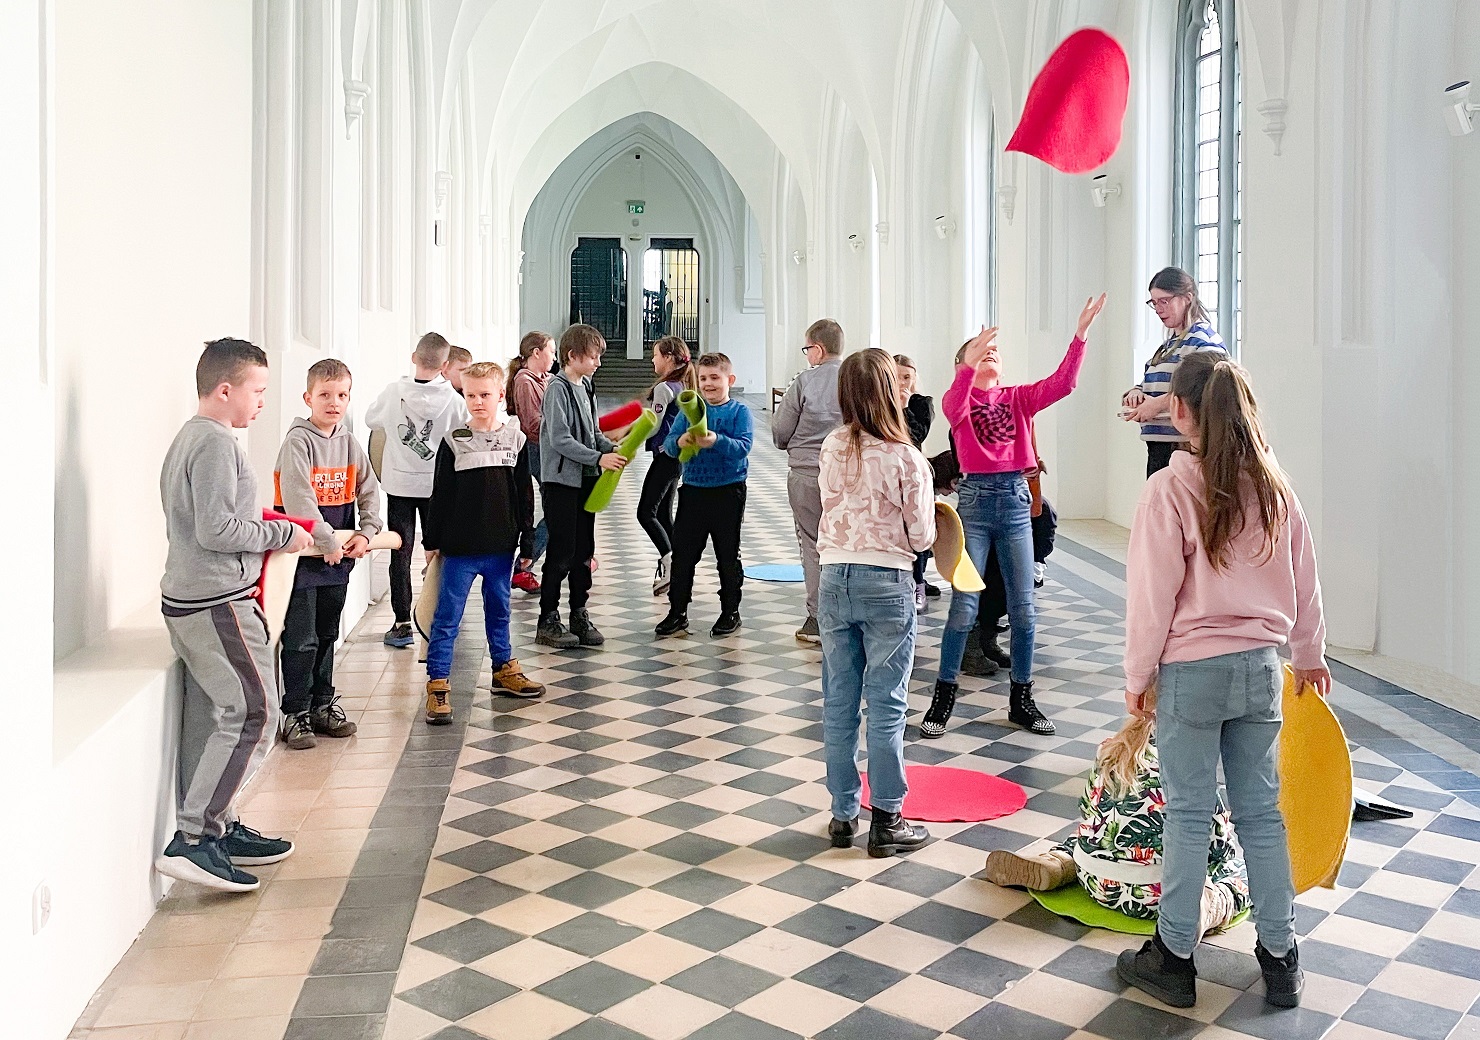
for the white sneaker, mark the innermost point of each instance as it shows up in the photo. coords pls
(662, 578)
(1040, 574)
(920, 598)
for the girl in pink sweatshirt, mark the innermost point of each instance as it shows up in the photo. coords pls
(1221, 571)
(991, 428)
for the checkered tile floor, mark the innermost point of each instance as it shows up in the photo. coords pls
(641, 853)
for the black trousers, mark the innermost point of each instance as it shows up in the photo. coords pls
(655, 507)
(1159, 455)
(703, 514)
(310, 629)
(992, 607)
(572, 544)
(400, 517)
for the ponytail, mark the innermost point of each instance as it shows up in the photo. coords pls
(677, 349)
(1232, 447)
(531, 342)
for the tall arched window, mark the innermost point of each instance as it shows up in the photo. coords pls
(1207, 237)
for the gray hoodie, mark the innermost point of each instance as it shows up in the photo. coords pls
(217, 536)
(415, 417)
(326, 475)
(807, 414)
(570, 445)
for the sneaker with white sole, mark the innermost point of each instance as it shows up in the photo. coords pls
(248, 848)
(809, 632)
(663, 576)
(1040, 574)
(202, 863)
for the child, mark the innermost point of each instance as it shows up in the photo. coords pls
(474, 523)
(1221, 570)
(529, 373)
(458, 360)
(990, 427)
(655, 507)
(321, 471)
(919, 416)
(878, 512)
(217, 539)
(572, 452)
(415, 412)
(1116, 852)
(712, 501)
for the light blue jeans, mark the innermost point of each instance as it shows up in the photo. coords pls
(1224, 708)
(996, 509)
(867, 619)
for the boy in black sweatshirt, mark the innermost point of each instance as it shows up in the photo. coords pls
(477, 511)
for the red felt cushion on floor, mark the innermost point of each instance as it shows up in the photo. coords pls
(941, 794)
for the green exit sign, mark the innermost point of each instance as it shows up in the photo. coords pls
(635, 206)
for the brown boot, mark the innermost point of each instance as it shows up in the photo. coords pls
(439, 706)
(1043, 872)
(511, 679)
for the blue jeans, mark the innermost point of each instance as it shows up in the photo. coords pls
(867, 619)
(996, 510)
(532, 544)
(1223, 707)
(458, 573)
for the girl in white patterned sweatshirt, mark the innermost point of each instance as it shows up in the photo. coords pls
(878, 512)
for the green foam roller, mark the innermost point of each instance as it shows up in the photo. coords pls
(692, 406)
(606, 484)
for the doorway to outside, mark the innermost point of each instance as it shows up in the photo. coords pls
(670, 293)
(598, 289)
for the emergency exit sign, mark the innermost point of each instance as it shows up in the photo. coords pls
(636, 206)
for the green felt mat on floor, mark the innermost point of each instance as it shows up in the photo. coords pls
(1074, 902)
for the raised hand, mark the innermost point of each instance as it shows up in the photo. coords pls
(979, 347)
(1087, 316)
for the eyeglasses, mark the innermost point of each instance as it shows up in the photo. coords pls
(810, 346)
(1157, 305)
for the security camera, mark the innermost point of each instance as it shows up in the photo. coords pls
(1101, 190)
(1457, 108)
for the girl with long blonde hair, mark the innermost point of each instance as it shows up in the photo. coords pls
(878, 512)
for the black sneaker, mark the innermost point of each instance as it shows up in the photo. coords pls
(677, 621)
(202, 864)
(247, 848)
(942, 703)
(889, 833)
(932, 591)
(298, 732)
(841, 832)
(809, 633)
(1156, 970)
(330, 721)
(1283, 979)
(399, 635)
(586, 633)
(728, 624)
(552, 633)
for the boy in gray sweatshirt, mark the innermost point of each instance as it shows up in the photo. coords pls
(322, 473)
(217, 539)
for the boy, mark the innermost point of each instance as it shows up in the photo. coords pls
(458, 360)
(415, 412)
(572, 452)
(711, 503)
(217, 539)
(321, 471)
(477, 512)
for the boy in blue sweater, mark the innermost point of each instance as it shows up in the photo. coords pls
(711, 503)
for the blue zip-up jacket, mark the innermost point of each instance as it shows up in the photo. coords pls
(727, 461)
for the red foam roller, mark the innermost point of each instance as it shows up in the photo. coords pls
(620, 417)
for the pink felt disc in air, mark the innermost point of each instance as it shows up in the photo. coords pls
(1075, 108)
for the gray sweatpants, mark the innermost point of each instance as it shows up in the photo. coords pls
(806, 511)
(230, 709)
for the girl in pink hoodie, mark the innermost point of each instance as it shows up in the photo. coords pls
(1221, 571)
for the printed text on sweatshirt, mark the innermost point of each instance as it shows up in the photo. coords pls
(993, 428)
(326, 475)
(1178, 608)
(878, 507)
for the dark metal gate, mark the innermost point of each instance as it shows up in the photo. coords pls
(598, 289)
(670, 292)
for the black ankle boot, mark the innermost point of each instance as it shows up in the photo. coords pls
(973, 661)
(993, 651)
(586, 633)
(1156, 970)
(1021, 711)
(841, 832)
(889, 833)
(941, 705)
(1283, 979)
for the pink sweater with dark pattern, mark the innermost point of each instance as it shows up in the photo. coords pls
(992, 428)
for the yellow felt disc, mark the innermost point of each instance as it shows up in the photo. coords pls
(376, 450)
(426, 604)
(1315, 787)
(280, 568)
(950, 551)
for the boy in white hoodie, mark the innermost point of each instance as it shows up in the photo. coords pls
(415, 412)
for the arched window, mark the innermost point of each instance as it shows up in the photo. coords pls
(1207, 238)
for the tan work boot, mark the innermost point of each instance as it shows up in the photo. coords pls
(439, 707)
(511, 679)
(1043, 872)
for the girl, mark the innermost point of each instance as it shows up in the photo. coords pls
(1116, 853)
(1174, 299)
(1220, 571)
(991, 429)
(919, 415)
(878, 513)
(524, 397)
(655, 508)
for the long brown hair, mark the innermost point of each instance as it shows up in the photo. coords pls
(1122, 757)
(676, 348)
(531, 342)
(1178, 282)
(1231, 448)
(868, 396)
